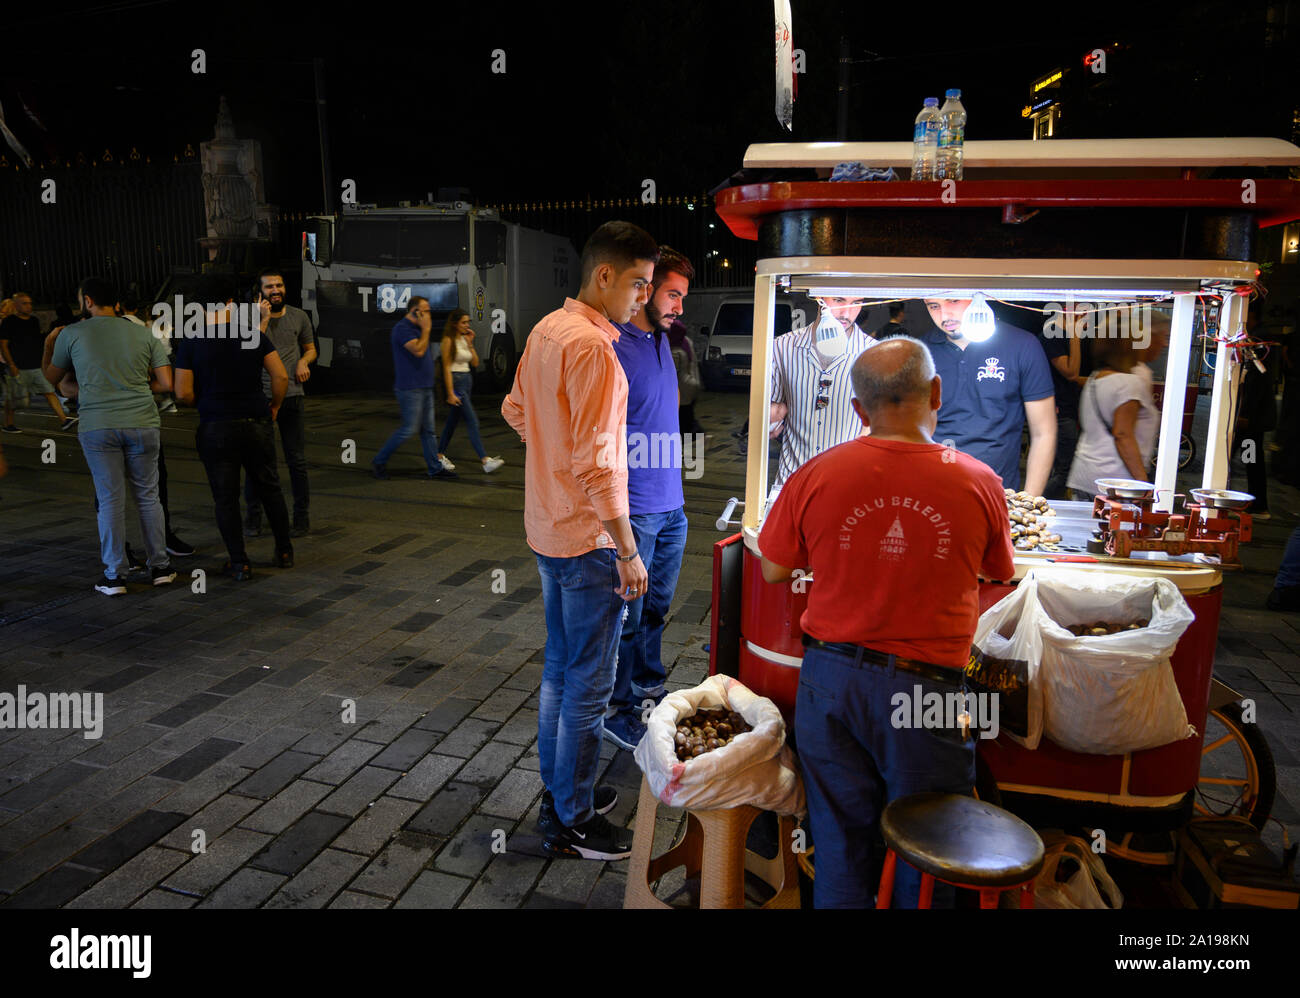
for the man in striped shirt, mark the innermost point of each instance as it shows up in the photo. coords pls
(811, 389)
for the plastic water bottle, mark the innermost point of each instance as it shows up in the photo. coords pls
(925, 141)
(952, 133)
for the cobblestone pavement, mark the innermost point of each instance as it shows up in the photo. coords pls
(224, 709)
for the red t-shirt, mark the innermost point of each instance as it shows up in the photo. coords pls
(895, 534)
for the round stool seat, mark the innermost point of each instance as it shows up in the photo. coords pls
(962, 840)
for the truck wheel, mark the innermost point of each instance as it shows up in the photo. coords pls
(501, 361)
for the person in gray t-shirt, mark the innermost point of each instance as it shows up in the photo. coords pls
(291, 334)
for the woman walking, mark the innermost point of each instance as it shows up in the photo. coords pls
(1118, 420)
(458, 356)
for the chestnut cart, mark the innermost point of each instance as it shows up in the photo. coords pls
(1096, 221)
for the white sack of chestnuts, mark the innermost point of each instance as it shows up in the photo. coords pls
(753, 767)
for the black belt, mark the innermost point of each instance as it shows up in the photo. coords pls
(860, 654)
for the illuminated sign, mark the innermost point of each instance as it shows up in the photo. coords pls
(1026, 111)
(1048, 81)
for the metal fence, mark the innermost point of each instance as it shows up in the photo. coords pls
(687, 224)
(129, 220)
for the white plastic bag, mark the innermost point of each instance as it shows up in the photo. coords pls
(1005, 656)
(1088, 886)
(1114, 693)
(755, 768)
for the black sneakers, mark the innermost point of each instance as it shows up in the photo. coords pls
(603, 800)
(1284, 598)
(380, 471)
(162, 576)
(177, 547)
(593, 839)
(110, 587)
(240, 573)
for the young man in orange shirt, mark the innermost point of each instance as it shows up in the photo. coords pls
(569, 405)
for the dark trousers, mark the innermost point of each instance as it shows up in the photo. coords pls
(1256, 470)
(686, 418)
(293, 439)
(225, 446)
(1067, 439)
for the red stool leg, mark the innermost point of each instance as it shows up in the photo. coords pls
(926, 895)
(989, 897)
(885, 893)
(1027, 895)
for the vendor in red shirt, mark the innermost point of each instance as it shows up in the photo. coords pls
(896, 530)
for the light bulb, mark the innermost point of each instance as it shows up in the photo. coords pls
(977, 322)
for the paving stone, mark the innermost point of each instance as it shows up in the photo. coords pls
(355, 899)
(376, 825)
(467, 737)
(389, 873)
(609, 891)
(214, 820)
(222, 857)
(286, 807)
(432, 889)
(426, 777)
(131, 881)
(122, 806)
(55, 888)
(391, 723)
(521, 729)
(114, 849)
(120, 679)
(240, 681)
(448, 808)
(321, 879)
(446, 715)
(470, 849)
(513, 795)
(187, 710)
(416, 673)
(46, 785)
(501, 704)
(166, 899)
(295, 848)
(276, 774)
(202, 790)
(357, 793)
(293, 674)
(506, 882)
(407, 750)
(196, 760)
(246, 889)
(345, 760)
(570, 881)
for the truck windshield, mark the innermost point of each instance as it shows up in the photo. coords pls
(403, 242)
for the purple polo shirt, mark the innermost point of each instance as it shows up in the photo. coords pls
(654, 453)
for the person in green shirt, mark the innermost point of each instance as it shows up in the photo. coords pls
(119, 366)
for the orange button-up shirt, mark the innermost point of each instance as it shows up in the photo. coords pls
(569, 405)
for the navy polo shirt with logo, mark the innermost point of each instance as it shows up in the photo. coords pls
(985, 388)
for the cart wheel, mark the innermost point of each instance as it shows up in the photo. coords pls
(1186, 451)
(1149, 849)
(1237, 772)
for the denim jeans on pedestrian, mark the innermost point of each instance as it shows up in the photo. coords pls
(583, 622)
(462, 383)
(855, 762)
(1288, 573)
(660, 540)
(114, 458)
(227, 445)
(293, 439)
(417, 417)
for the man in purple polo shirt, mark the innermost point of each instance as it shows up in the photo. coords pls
(654, 492)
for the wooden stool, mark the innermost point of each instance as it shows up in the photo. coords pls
(712, 849)
(959, 841)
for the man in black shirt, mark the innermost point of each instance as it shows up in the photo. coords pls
(894, 327)
(1071, 361)
(21, 346)
(223, 375)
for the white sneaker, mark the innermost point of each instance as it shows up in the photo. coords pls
(447, 464)
(491, 465)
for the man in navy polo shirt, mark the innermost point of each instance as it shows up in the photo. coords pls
(989, 390)
(413, 386)
(654, 492)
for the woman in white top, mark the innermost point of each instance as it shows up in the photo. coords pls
(1118, 421)
(458, 356)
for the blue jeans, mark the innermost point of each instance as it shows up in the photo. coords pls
(583, 622)
(417, 417)
(462, 383)
(1288, 573)
(114, 457)
(855, 762)
(660, 540)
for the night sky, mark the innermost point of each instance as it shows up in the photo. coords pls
(596, 97)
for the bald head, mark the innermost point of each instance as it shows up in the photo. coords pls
(897, 372)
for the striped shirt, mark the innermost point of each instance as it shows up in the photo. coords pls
(799, 380)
